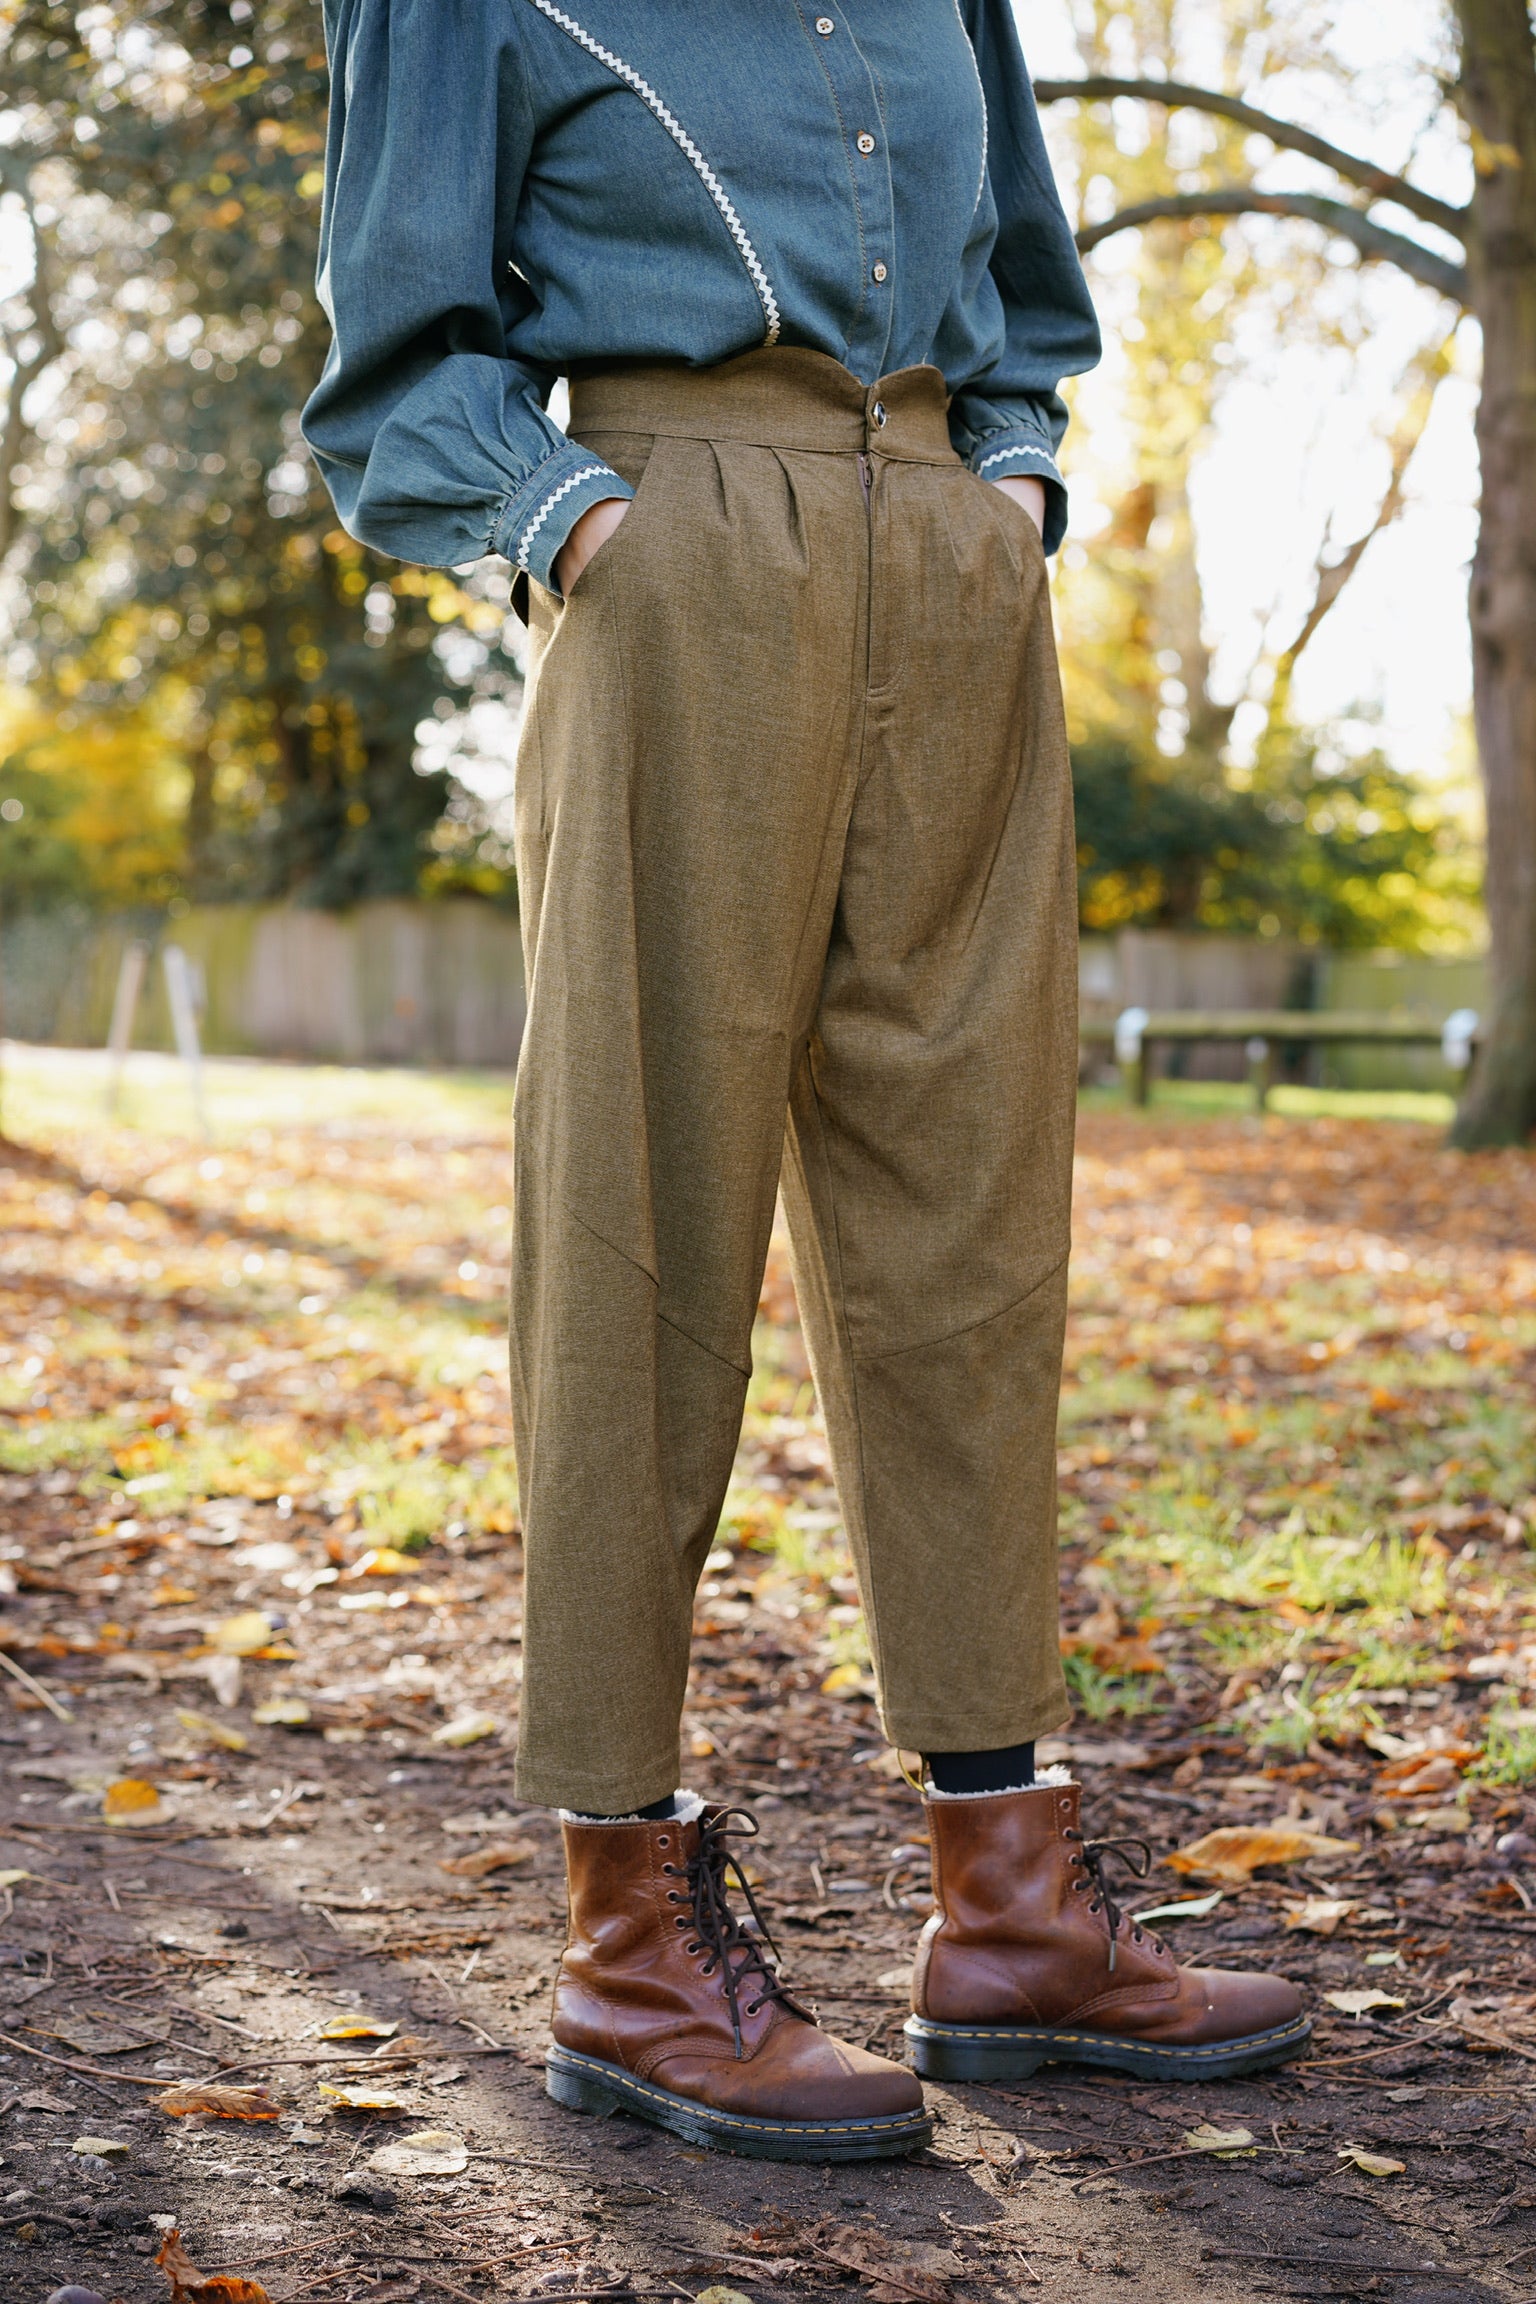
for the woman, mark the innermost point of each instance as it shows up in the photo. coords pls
(796, 871)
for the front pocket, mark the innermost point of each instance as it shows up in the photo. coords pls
(631, 456)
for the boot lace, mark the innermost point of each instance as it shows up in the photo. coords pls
(1136, 1856)
(743, 1959)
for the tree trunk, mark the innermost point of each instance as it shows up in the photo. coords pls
(1497, 96)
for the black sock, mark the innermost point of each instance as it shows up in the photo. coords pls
(1000, 1771)
(656, 1813)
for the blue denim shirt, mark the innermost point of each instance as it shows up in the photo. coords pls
(515, 187)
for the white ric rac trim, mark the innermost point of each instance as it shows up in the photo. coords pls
(1019, 448)
(686, 145)
(981, 181)
(587, 472)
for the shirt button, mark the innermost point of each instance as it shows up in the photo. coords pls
(878, 413)
(877, 271)
(866, 142)
(825, 25)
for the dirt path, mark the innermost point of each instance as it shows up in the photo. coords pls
(1284, 1606)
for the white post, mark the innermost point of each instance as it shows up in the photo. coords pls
(181, 993)
(125, 1001)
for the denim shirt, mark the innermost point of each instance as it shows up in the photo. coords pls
(515, 188)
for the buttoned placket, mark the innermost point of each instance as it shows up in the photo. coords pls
(863, 127)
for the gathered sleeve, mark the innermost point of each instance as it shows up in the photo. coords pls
(435, 445)
(1011, 420)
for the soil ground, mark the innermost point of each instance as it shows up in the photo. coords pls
(261, 1380)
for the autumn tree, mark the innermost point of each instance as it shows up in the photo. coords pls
(175, 548)
(1493, 276)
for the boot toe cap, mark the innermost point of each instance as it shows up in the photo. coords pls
(799, 2073)
(1241, 2002)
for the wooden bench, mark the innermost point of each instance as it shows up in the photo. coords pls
(1263, 1032)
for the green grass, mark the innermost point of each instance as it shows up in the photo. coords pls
(1228, 1099)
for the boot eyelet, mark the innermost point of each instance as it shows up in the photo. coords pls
(662, 1841)
(682, 1920)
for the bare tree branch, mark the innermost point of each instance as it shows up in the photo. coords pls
(1330, 577)
(1379, 182)
(1373, 241)
(42, 332)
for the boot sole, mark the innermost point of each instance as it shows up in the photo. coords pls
(588, 2084)
(1013, 2052)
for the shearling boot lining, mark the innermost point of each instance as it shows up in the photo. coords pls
(1051, 1776)
(687, 1807)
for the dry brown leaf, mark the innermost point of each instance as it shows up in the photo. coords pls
(209, 1731)
(1318, 1915)
(1234, 1852)
(468, 1728)
(218, 2103)
(130, 1801)
(496, 1858)
(877, 2259)
(188, 2286)
(241, 1635)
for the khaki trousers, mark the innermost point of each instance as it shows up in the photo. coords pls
(794, 846)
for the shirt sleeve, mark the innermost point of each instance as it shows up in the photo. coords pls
(1011, 420)
(435, 445)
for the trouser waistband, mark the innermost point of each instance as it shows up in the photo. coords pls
(789, 399)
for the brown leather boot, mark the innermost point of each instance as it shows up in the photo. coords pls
(666, 2007)
(1028, 1960)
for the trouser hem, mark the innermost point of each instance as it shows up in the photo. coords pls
(597, 1795)
(973, 1731)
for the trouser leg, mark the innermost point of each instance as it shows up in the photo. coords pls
(684, 783)
(929, 1170)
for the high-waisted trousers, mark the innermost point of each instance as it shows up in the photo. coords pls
(797, 875)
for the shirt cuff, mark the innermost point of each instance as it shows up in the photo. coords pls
(1023, 455)
(533, 521)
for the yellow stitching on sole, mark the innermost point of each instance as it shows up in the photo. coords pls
(610, 2076)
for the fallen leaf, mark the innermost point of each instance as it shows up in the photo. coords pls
(188, 2285)
(14, 1879)
(476, 1823)
(1370, 2163)
(213, 1731)
(1188, 1908)
(1207, 2138)
(94, 2037)
(223, 1675)
(841, 1677)
(356, 2028)
(364, 2099)
(282, 1712)
(1454, 1821)
(468, 1728)
(718, 2295)
(218, 2103)
(496, 1858)
(1360, 2003)
(384, 1560)
(1234, 1852)
(1318, 1915)
(241, 1635)
(99, 2148)
(130, 1801)
(430, 2152)
(880, 2260)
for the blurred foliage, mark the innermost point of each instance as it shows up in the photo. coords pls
(1330, 850)
(183, 567)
